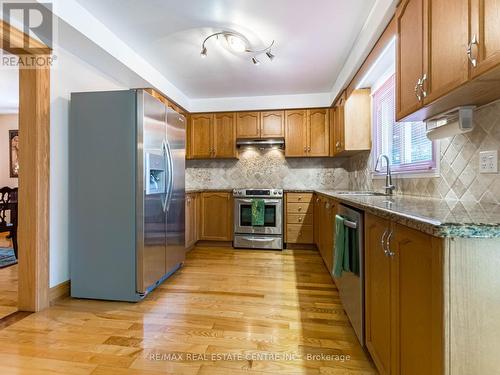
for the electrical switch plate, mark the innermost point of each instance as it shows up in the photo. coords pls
(488, 162)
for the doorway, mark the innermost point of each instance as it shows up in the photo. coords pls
(33, 174)
(9, 168)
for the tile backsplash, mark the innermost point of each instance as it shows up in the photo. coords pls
(267, 169)
(459, 178)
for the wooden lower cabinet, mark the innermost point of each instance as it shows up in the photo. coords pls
(299, 218)
(404, 298)
(326, 209)
(191, 231)
(216, 216)
(377, 294)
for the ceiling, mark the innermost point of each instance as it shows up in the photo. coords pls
(312, 41)
(9, 90)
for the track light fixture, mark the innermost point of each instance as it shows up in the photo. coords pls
(238, 43)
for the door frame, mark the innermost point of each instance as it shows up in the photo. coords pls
(34, 174)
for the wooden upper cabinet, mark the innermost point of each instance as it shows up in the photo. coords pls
(410, 57)
(352, 125)
(272, 124)
(296, 133)
(224, 136)
(377, 294)
(417, 312)
(337, 138)
(318, 132)
(446, 65)
(485, 35)
(201, 136)
(216, 216)
(248, 125)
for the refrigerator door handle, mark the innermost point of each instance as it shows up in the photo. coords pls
(170, 172)
(164, 197)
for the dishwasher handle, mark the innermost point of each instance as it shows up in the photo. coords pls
(350, 224)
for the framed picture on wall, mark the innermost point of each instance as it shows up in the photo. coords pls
(14, 153)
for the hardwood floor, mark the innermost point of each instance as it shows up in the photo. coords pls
(8, 284)
(223, 302)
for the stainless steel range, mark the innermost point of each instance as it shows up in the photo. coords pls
(267, 236)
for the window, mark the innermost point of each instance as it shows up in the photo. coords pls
(405, 143)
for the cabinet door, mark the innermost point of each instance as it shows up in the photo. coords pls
(248, 125)
(417, 301)
(225, 136)
(296, 133)
(410, 57)
(317, 221)
(190, 220)
(377, 294)
(338, 128)
(216, 216)
(318, 132)
(272, 124)
(485, 21)
(447, 37)
(200, 136)
(329, 220)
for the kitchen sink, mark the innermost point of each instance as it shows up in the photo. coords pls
(362, 193)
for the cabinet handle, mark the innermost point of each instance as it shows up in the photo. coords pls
(300, 220)
(305, 149)
(417, 87)
(309, 149)
(422, 83)
(388, 251)
(338, 144)
(474, 42)
(299, 198)
(299, 209)
(382, 242)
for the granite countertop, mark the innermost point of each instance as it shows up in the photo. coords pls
(192, 191)
(437, 217)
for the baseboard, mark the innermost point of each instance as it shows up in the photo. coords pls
(59, 292)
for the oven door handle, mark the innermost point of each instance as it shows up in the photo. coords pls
(267, 201)
(259, 239)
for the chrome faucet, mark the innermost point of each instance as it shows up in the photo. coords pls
(389, 187)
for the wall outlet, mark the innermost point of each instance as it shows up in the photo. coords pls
(488, 162)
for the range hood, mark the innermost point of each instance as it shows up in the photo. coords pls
(261, 143)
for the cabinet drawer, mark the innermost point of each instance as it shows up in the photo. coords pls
(306, 219)
(299, 197)
(298, 233)
(299, 208)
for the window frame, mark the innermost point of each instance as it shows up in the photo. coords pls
(428, 168)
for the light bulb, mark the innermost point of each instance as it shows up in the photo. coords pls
(270, 55)
(203, 53)
(255, 61)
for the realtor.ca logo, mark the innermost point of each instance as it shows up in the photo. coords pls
(28, 35)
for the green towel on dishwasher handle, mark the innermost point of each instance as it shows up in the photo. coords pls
(258, 211)
(342, 261)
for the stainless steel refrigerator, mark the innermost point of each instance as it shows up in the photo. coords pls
(127, 192)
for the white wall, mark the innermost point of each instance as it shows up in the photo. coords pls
(7, 122)
(71, 74)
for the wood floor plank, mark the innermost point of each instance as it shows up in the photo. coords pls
(221, 313)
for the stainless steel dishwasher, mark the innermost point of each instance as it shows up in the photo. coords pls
(351, 286)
